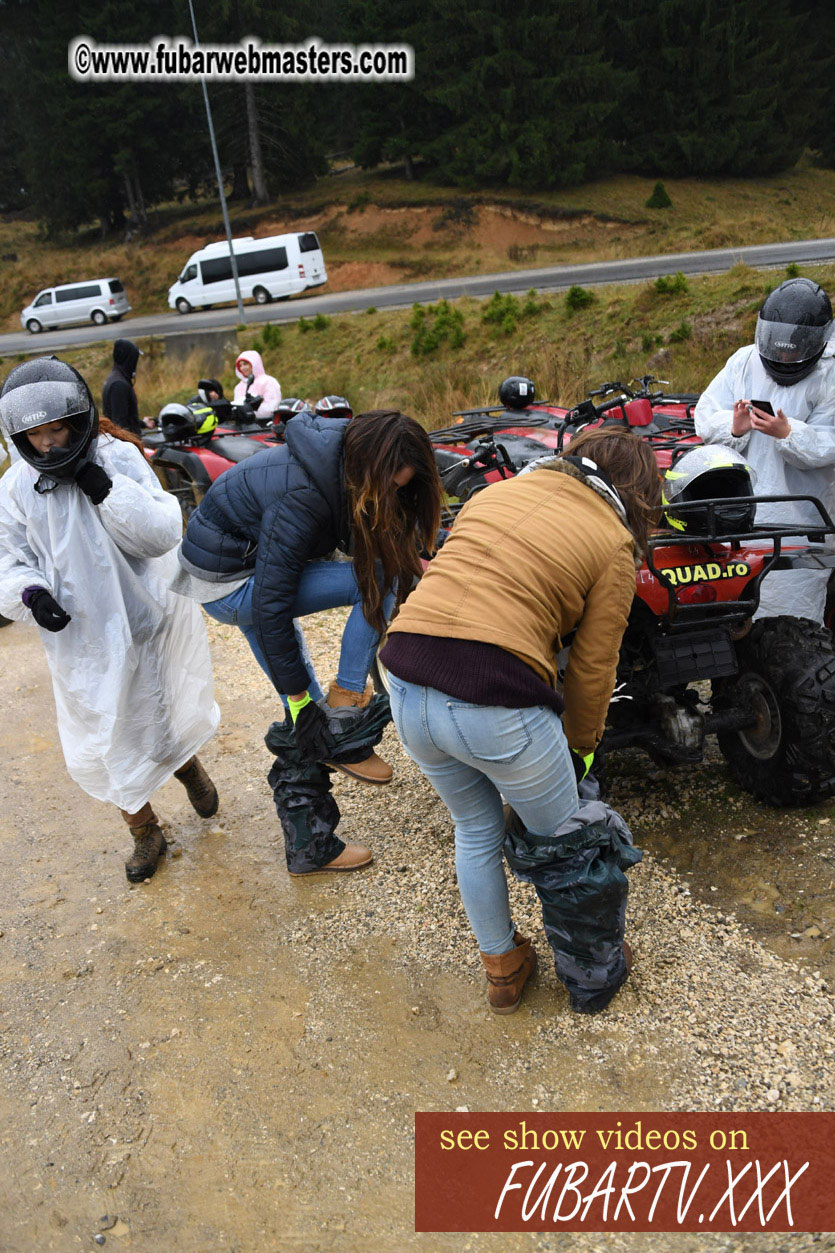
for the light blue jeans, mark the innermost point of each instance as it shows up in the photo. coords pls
(323, 585)
(473, 755)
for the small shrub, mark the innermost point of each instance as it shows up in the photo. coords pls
(386, 344)
(320, 322)
(371, 309)
(304, 326)
(501, 312)
(647, 342)
(578, 298)
(682, 332)
(523, 252)
(792, 270)
(659, 198)
(434, 325)
(671, 284)
(271, 336)
(359, 202)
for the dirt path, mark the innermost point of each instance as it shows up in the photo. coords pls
(227, 1059)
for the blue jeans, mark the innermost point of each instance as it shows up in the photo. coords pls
(323, 585)
(473, 755)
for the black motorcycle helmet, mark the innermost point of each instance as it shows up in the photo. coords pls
(517, 392)
(205, 386)
(177, 423)
(709, 473)
(289, 407)
(792, 329)
(49, 390)
(334, 407)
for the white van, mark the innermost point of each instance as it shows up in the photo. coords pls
(98, 300)
(268, 269)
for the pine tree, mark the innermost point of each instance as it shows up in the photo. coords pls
(719, 87)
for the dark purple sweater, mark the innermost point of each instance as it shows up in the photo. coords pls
(468, 670)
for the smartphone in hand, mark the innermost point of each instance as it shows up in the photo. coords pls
(763, 405)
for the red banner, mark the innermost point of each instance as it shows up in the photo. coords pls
(625, 1172)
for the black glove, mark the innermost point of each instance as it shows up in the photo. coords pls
(313, 736)
(582, 765)
(94, 481)
(45, 609)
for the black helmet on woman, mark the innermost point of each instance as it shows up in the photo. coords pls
(792, 329)
(44, 390)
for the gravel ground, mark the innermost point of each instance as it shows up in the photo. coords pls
(228, 1058)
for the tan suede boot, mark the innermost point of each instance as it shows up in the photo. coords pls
(373, 769)
(199, 788)
(352, 857)
(507, 974)
(148, 844)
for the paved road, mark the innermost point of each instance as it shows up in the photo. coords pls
(632, 270)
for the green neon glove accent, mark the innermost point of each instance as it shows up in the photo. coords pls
(296, 706)
(587, 760)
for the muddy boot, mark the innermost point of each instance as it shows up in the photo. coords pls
(507, 974)
(200, 790)
(343, 704)
(148, 844)
(352, 857)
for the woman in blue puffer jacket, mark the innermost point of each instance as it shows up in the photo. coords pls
(256, 551)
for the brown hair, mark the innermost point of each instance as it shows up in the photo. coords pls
(630, 463)
(106, 427)
(390, 525)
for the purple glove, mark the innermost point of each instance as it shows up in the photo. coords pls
(45, 609)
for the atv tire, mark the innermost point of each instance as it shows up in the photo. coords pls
(787, 673)
(181, 485)
(5, 621)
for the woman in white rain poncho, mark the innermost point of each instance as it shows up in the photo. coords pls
(87, 549)
(793, 452)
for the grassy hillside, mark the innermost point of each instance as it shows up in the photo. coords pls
(381, 230)
(442, 357)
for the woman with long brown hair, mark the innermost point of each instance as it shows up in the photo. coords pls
(472, 661)
(257, 553)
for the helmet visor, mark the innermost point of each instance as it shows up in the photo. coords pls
(35, 404)
(786, 342)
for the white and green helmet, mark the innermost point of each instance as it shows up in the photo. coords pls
(704, 474)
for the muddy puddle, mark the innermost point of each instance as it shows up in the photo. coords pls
(773, 868)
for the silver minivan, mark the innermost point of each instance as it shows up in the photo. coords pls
(99, 300)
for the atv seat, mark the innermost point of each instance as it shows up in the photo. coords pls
(236, 447)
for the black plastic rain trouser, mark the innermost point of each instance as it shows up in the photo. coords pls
(301, 788)
(578, 873)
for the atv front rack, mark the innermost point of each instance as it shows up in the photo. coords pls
(478, 422)
(684, 617)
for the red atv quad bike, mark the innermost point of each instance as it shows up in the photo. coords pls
(187, 464)
(693, 662)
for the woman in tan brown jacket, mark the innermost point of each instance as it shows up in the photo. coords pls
(472, 661)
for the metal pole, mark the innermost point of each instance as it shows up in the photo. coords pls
(219, 177)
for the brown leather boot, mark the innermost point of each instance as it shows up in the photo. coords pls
(352, 857)
(199, 788)
(148, 844)
(373, 769)
(507, 974)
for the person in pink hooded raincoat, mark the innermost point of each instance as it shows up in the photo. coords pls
(256, 387)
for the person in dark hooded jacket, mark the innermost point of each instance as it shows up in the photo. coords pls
(118, 398)
(255, 553)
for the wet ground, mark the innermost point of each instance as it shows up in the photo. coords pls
(228, 1059)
